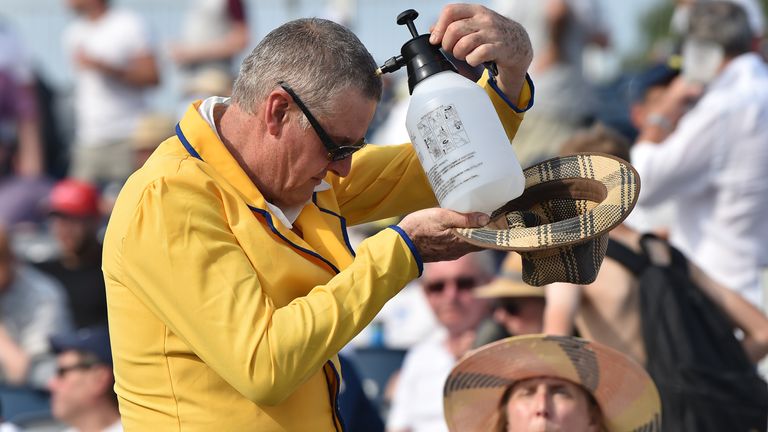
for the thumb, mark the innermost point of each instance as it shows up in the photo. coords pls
(466, 220)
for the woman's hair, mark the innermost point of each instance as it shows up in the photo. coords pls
(502, 420)
(319, 59)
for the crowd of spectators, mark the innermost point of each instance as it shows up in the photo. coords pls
(699, 145)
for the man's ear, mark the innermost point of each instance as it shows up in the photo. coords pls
(276, 111)
(102, 374)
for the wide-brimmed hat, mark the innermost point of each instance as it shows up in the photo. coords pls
(628, 398)
(509, 281)
(560, 223)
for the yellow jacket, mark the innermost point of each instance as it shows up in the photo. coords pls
(221, 318)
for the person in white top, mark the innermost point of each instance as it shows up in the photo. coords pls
(710, 160)
(112, 55)
(417, 405)
(560, 32)
(82, 394)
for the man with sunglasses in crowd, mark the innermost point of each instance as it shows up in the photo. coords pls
(449, 287)
(231, 283)
(82, 394)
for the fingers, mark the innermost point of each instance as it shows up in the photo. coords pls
(448, 15)
(451, 219)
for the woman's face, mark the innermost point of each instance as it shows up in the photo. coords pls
(551, 405)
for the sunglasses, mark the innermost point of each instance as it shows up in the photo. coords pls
(63, 370)
(511, 307)
(463, 283)
(335, 152)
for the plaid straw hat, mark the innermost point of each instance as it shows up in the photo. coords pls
(560, 223)
(628, 398)
(509, 282)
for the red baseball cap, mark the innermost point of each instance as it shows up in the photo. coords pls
(74, 198)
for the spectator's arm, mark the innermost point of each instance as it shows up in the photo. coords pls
(228, 46)
(563, 300)
(13, 360)
(141, 71)
(30, 152)
(742, 313)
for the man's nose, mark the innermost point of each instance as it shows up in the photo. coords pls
(541, 401)
(341, 167)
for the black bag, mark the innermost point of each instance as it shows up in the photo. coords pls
(705, 379)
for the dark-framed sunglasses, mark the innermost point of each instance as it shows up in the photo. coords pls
(335, 152)
(463, 283)
(63, 370)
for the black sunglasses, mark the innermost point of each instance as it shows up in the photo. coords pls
(63, 370)
(511, 307)
(463, 283)
(335, 152)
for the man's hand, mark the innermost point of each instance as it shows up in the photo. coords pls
(476, 34)
(431, 231)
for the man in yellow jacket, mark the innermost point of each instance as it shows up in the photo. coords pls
(231, 284)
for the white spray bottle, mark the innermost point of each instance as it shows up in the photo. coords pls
(455, 130)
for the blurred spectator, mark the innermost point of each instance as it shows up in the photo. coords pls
(18, 104)
(649, 302)
(646, 90)
(22, 186)
(559, 32)
(151, 130)
(82, 394)
(681, 16)
(608, 310)
(710, 160)
(75, 222)
(113, 60)
(32, 308)
(214, 32)
(517, 306)
(449, 288)
(548, 383)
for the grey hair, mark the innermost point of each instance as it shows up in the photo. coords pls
(724, 23)
(318, 58)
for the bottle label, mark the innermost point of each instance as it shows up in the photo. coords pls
(443, 133)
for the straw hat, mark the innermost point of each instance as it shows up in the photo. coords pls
(151, 130)
(509, 282)
(560, 223)
(627, 396)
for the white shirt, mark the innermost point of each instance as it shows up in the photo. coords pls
(713, 168)
(106, 108)
(418, 401)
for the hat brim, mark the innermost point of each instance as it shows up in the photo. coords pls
(610, 182)
(624, 391)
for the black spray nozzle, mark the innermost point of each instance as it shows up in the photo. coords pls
(391, 65)
(422, 58)
(406, 18)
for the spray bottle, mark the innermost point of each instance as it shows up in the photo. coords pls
(455, 130)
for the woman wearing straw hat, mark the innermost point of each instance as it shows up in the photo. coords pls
(550, 383)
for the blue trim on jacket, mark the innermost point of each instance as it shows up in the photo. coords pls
(495, 87)
(411, 246)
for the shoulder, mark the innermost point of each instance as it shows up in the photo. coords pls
(37, 284)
